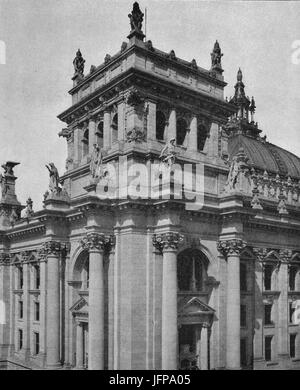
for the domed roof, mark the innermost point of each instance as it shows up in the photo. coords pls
(265, 156)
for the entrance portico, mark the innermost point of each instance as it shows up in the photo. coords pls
(195, 319)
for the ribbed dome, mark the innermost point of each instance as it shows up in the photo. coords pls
(266, 156)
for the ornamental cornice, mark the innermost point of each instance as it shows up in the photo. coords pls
(167, 241)
(231, 247)
(98, 241)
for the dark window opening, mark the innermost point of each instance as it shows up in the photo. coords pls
(20, 338)
(243, 316)
(191, 269)
(100, 134)
(268, 348)
(114, 128)
(36, 311)
(268, 271)
(85, 142)
(20, 309)
(181, 130)
(292, 278)
(21, 279)
(202, 134)
(160, 125)
(268, 314)
(293, 345)
(291, 311)
(243, 277)
(36, 343)
(37, 277)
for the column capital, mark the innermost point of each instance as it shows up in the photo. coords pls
(231, 247)
(4, 259)
(97, 241)
(285, 255)
(51, 248)
(167, 241)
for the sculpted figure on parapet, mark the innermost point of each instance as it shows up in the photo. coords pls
(54, 178)
(79, 63)
(96, 163)
(167, 154)
(136, 17)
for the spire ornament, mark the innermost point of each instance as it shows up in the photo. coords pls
(78, 63)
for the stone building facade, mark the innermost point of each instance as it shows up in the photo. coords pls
(119, 282)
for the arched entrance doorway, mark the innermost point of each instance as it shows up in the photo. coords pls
(195, 316)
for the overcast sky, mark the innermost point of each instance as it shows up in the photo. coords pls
(42, 37)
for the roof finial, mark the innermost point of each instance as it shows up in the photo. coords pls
(239, 76)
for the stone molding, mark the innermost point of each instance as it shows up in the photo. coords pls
(231, 247)
(5, 259)
(167, 241)
(98, 241)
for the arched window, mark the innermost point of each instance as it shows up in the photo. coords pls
(294, 275)
(114, 128)
(85, 143)
(160, 125)
(81, 270)
(181, 130)
(191, 271)
(100, 134)
(202, 133)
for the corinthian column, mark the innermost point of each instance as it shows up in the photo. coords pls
(231, 249)
(96, 244)
(168, 243)
(52, 251)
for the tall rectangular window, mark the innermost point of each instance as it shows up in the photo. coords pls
(36, 311)
(20, 338)
(268, 271)
(291, 311)
(268, 348)
(243, 316)
(243, 277)
(20, 309)
(36, 343)
(20, 278)
(293, 345)
(292, 278)
(37, 277)
(268, 314)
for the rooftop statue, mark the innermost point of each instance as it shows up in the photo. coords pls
(216, 56)
(136, 18)
(28, 212)
(79, 63)
(54, 178)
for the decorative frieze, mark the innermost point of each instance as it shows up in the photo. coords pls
(167, 241)
(98, 241)
(231, 247)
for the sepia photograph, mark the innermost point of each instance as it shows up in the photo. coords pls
(149, 187)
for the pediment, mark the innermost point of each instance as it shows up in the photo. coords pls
(80, 306)
(194, 306)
